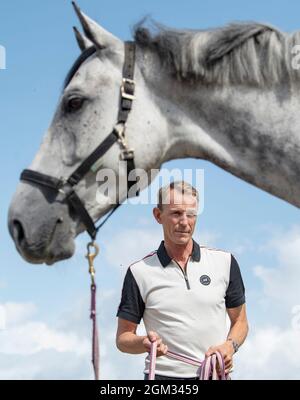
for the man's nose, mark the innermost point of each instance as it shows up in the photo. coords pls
(183, 219)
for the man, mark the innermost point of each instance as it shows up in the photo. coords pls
(182, 291)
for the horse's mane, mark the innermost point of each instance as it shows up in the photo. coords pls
(255, 53)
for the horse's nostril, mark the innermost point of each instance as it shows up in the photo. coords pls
(18, 232)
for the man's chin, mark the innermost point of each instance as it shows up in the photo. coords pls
(182, 238)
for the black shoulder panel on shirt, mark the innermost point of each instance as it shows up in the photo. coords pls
(132, 305)
(235, 294)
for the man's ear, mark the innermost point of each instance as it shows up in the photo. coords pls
(157, 214)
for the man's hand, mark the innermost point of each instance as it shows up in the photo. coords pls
(161, 347)
(227, 351)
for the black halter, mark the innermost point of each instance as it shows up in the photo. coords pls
(66, 186)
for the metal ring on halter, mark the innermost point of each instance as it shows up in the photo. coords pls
(95, 246)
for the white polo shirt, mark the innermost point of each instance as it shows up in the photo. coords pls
(187, 309)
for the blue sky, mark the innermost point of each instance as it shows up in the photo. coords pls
(47, 326)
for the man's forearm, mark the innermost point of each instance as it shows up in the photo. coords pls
(238, 332)
(129, 342)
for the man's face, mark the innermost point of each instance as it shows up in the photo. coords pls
(178, 217)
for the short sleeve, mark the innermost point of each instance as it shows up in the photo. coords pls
(235, 294)
(132, 305)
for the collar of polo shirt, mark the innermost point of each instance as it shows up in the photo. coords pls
(165, 259)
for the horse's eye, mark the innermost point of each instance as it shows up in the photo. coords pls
(74, 104)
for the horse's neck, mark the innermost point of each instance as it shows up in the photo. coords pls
(245, 131)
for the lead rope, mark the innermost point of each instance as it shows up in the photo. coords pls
(91, 255)
(208, 367)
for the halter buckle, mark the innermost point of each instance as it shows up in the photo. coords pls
(124, 94)
(127, 154)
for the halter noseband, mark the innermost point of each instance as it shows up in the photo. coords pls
(66, 186)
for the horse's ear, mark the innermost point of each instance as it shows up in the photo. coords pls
(83, 42)
(95, 33)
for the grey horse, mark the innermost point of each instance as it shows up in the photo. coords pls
(228, 95)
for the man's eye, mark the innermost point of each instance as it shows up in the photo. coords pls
(74, 104)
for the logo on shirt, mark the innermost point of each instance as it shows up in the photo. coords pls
(205, 280)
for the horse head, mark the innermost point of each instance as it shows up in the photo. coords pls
(41, 223)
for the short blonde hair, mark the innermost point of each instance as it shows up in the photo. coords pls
(180, 186)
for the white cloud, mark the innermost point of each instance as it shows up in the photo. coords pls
(34, 349)
(32, 337)
(18, 312)
(2, 317)
(281, 282)
(273, 351)
(133, 244)
(46, 364)
(23, 335)
(269, 353)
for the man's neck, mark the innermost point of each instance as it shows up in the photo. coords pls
(178, 252)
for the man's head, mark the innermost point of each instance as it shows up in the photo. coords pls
(177, 211)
